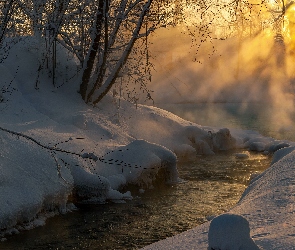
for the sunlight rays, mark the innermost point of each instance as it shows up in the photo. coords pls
(290, 27)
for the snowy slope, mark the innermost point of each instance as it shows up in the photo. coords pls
(88, 153)
(57, 149)
(268, 204)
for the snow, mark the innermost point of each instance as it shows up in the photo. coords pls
(87, 154)
(267, 204)
(230, 231)
(129, 164)
(56, 149)
(29, 182)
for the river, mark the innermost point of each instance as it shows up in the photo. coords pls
(213, 184)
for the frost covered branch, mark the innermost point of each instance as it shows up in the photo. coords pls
(112, 78)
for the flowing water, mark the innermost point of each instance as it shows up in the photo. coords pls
(213, 185)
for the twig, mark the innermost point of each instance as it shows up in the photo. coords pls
(85, 155)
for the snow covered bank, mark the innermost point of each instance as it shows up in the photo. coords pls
(29, 182)
(78, 152)
(91, 152)
(268, 204)
(230, 231)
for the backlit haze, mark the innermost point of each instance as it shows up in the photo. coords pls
(229, 63)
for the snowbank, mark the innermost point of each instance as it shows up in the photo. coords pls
(267, 204)
(137, 163)
(88, 153)
(29, 182)
(65, 150)
(230, 231)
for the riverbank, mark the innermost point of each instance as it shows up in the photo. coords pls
(58, 150)
(268, 204)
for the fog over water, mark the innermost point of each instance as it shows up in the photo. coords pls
(245, 71)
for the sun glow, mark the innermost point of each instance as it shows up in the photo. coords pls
(191, 13)
(291, 13)
(290, 28)
(273, 3)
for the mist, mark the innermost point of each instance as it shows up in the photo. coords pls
(238, 70)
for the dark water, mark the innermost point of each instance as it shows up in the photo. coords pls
(213, 185)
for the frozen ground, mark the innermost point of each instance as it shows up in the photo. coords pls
(56, 149)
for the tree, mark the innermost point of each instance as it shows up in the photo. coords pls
(6, 13)
(119, 28)
(7, 8)
(110, 37)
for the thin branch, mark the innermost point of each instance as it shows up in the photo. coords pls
(89, 156)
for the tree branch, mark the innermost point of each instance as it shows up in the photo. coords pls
(85, 155)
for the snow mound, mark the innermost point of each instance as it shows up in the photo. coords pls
(277, 146)
(89, 186)
(230, 232)
(137, 163)
(278, 155)
(208, 142)
(29, 182)
(222, 140)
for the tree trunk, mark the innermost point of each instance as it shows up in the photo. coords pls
(90, 59)
(104, 89)
(109, 42)
(7, 12)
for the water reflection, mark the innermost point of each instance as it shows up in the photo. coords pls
(213, 185)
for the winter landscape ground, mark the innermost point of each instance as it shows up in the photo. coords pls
(56, 150)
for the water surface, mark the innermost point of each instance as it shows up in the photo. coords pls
(213, 185)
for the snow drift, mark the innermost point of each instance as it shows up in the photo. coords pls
(230, 231)
(267, 206)
(78, 152)
(91, 152)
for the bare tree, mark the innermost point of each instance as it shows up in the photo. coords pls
(117, 29)
(109, 37)
(93, 50)
(7, 9)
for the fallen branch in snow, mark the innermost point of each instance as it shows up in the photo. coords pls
(103, 159)
(58, 168)
(53, 150)
(85, 155)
